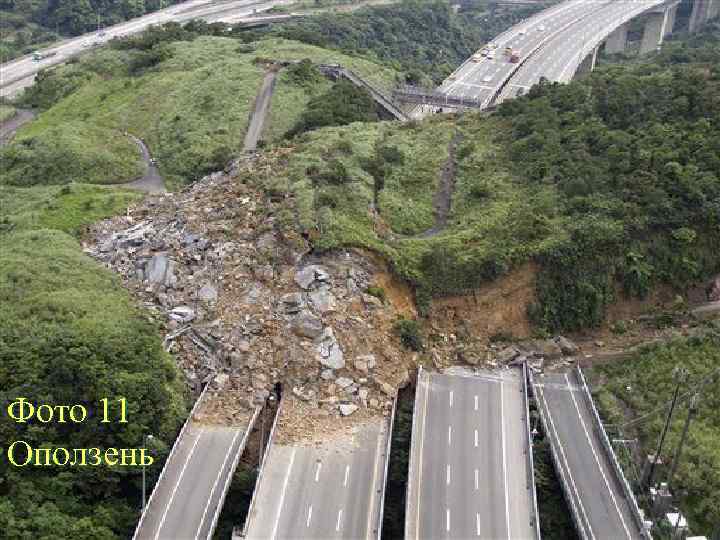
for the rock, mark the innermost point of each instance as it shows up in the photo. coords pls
(346, 409)
(361, 366)
(507, 354)
(307, 325)
(371, 301)
(160, 270)
(387, 389)
(374, 403)
(261, 396)
(292, 302)
(343, 382)
(363, 395)
(327, 374)
(567, 347)
(243, 346)
(713, 290)
(253, 293)
(183, 314)
(310, 274)
(323, 300)
(599, 343)
(259, 380)
(207, 293)
(266, 242)
(237, 361)
(265, 273)
(221, 379)
(369, 360)
(329, 353)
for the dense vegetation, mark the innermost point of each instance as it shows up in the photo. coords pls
(425, 39)
(610, 183)
(645, 382)
(188, 95)
(70, 334)
(28, 24)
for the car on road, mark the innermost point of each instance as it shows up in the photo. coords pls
(487, 78)
(541, 28)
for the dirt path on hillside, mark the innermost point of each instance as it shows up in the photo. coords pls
(259, 112)
(151, 181)
(11, 125)
(442, 201)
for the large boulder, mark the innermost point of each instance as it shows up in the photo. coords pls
(567, 347)
(329, 353)
(160, 270)
(307, 325)
(323, 300)
(305, 277)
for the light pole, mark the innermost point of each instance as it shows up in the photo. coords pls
(145, 441)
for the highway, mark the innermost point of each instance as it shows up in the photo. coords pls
(560, 57)
(595, 493)
(468, 469)
(20, 73)
(188, 497)
(330, 489)
(483, 79)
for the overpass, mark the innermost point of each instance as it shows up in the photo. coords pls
(329, 486)
(188, 497)
(552, 44)
(20, 73)
(471, 473)
(599, 497)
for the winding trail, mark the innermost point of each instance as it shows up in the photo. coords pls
(11, 125)
(151, 181)
(259, 112)
(442, 201)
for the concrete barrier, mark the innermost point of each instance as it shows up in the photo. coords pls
(529, 453)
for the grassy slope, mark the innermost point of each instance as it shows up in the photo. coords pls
(192, 108)
(645, 382)
(6, 112)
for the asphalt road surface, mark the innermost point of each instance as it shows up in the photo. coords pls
(20, 73)
(468, 469)
(188, 498)
(11, 125)
(560, 57)
(481, 80)
(596, 492)
(333, 490)
(151, 181)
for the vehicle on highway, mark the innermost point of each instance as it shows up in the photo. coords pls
(541, 28)
(477, 57)
(487, 78)
(37, 56)
(514, 57)
(491, 55)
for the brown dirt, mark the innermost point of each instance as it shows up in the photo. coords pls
(500, 306)
(224, 408)
(397, 292)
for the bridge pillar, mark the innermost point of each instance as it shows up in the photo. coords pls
(617, 41)
(654, 31)
(702, 10)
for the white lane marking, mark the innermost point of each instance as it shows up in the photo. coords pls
(447, 475)
(214, 487)
(504, 460)
(447, 519)
(597, 460)
(476, 403)
(449, 435)
(451, 398)
(317, 471)
(477, 523)
(476, 438)
(282, 494)
(419, 471)
(339, 520)
(172, 495)
(477, 479)
(307, 523)
(567, 466)
(347, 475)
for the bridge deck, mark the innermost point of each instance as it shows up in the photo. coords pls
(594, 489)
(468, 472)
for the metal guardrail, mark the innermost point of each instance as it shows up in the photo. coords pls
(253, 500)
(549, 431)
(387, 465)
(535, 519)
(627, 491)
(170, 455)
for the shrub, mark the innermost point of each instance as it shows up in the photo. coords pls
(410, 334)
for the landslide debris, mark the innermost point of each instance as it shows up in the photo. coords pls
(245, 306)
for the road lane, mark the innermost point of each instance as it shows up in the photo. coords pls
(468, 467)
(189, 495)
(596, 492)
(331, 489)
